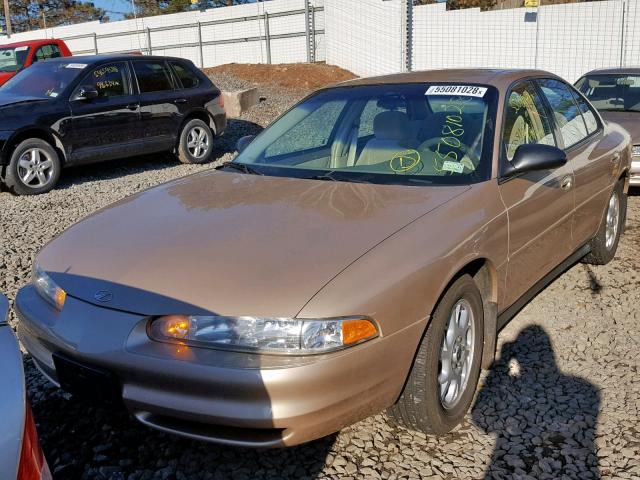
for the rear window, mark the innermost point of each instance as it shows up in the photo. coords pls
(152, 76)
(612, 92)
(187, 78)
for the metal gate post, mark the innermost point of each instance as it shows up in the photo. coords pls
(407, 35)
(308, 30)
(267, 37)
(200, 44)
(149, 41)
(95, 42)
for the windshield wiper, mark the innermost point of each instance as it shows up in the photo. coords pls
(241, 167)
(329, 177)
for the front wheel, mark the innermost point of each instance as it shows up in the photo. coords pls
(196, 142)
(34, 168)
(444, 376)
(605, 244)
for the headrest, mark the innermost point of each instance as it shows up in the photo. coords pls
(391, 125)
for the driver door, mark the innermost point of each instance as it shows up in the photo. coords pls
(108, 126)
(540, 204)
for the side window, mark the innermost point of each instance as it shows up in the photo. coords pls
(187, 78)
(309, 132)
(525, 120)
(109, 80)
(45, 52)
(55, 51)
(152, 76)
(588, 114)
(565, 111)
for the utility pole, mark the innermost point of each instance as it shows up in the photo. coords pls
(7, 17)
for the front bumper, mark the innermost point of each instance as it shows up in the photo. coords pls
(634, 178)
(214, 395)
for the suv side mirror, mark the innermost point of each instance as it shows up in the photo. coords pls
(243, 142)
(531, 157)
(86, 92)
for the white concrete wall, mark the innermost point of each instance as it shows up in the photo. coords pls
(284, 50)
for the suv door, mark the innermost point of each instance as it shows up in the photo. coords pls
(539, 204)
(580, 129)
(108, 126)
(162, 104)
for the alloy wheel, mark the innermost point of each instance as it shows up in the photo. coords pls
(613, 219)
(35, 168)
(456, 354)
(198, 142)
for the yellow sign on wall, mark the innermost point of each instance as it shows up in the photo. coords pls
(531, 3)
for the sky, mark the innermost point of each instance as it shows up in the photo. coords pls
(116, 8)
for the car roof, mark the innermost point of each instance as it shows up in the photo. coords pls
(499, 78)
(92, 59)
(31, 43)
(618, 70)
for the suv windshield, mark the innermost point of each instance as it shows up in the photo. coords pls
(43, 80)
(613, 92)
(12, 58)
(404, 133)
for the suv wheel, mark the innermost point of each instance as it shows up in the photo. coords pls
(34, 168)
(444, 376)
(196, 142)
(605, 243)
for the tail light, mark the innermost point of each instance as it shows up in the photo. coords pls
(33, 465)
(221, 100)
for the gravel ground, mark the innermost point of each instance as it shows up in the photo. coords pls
(562, 401)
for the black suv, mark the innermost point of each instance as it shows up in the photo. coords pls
(77, 110)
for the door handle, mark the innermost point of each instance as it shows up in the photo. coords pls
(133, 106)
(180, 100)
(567, 182)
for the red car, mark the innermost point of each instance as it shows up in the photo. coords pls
(17, 56)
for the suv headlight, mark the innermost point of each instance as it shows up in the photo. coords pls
(635, 151)
(47, 288)
(263, 334)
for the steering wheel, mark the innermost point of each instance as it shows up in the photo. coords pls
(469, 153)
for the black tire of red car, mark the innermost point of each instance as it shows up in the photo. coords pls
(601, 252)
(420, 406)
(36, 159)
(190, 147)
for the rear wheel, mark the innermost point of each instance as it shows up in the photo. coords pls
(444, 376)
(196, 142)
(34, 168)
(605, 244)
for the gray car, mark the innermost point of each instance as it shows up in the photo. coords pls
(20, 453)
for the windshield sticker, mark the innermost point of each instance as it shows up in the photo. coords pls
(52, 94)
(463, 90)
(76, 65)
(21, 49)
(455, 167)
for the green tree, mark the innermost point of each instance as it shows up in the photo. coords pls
(32, 14)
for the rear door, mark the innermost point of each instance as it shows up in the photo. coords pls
(539, 204)
(162, 104)
(108, 126)
(594, 167)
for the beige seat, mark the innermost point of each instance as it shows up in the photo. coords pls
(391, 131)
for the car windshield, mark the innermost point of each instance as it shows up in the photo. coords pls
(12, 58)
(612, 92)
(43, 80)
(397, 133)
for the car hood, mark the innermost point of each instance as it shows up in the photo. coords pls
(7, 100)
(229, 243)
(630, 121)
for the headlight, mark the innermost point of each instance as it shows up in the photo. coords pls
(46, 287)
(263, 334)
(635, 150)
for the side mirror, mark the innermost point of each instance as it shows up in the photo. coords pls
(531, 157)
(243, 142)
(86, 92)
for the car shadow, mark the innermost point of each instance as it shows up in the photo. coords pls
(224, 146)
(544, 421)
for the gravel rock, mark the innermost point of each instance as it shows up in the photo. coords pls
(561, 401)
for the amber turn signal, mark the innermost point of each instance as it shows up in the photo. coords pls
(354, 331)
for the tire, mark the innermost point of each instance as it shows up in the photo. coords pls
(190, 147)
(605, 243)
(420, 406)
(34, 167)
